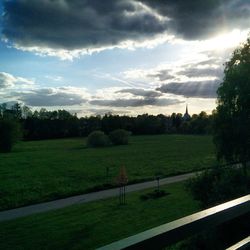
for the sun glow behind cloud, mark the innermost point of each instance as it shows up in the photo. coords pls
(116, 54)
(225, 41)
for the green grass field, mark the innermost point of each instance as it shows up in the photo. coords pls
(96, 224)
(39, 171)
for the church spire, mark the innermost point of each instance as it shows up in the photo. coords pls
(186, 116)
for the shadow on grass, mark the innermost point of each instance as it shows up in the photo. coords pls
(156, 194)
(79, 147)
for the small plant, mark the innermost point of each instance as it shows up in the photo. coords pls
(153, 195)
(97, 139)
(119, 137)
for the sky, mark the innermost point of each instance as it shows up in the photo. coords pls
(118, 56)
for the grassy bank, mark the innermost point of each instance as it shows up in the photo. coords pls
(95, 224)
(38, 171)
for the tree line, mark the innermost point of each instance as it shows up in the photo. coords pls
(44, 124)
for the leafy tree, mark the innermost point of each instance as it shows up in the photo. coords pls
(26, 112)
(200, 124)
(9, 134)
(232, 118)
(148, 124)
(45, 124)
(218, 185)
(3, 107)
(17, 110)
(97, 139)
(119, 137)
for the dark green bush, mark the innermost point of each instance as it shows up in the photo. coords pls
(218, 185)
(9, 134)
(119, 137)
(154, 195)
(97, 139)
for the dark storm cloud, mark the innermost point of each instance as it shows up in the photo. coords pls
(107, 111)
(205, 89)
(212, 67)
(199, 19)
(79, 24)
(135, 102)
(190, 72)
(162, 75)
(141, 92)
(50, 97)
(202, 72)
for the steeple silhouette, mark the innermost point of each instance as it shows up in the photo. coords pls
(186, 109)
(186, 116)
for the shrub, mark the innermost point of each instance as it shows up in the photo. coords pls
(97, 139)
(218, 185)
(153, 195)
(119, 137)
(9, 133)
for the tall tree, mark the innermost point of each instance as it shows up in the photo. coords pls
(232, 118)
(9, 134)
(17, 110)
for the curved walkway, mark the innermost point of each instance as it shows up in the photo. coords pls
(84, 198)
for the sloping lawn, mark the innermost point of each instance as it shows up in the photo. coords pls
(39, 171)
(96, 224)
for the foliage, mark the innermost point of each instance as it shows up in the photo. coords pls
(232, 117)
(154, 195)
(9, 134)
(119, 137)
(218, 185)
(97, 139)
(122, 178)
(44, 124)
(53, 169)
(16, 111)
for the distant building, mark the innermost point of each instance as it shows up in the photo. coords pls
(186, 116)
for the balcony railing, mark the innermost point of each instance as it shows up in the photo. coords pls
(169, 233)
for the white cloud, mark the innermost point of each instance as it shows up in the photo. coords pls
(6, 80)
(9, 81)
(70, 54)
(54, 78)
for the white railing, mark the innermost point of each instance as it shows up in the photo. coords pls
(169, 233)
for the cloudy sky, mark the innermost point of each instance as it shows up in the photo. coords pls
(120, 56)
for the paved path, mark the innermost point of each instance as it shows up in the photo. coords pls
(84, 198)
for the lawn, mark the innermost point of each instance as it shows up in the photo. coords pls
(96, 224)
(39, 171)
